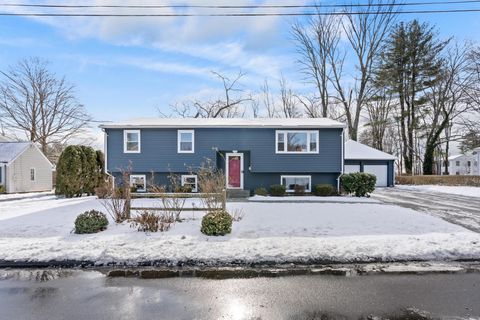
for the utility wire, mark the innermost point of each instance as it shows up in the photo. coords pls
(241, 6)
(232, 14)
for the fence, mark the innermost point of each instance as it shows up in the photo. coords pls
(222, 196)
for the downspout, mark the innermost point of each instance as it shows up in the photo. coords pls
(342, 137)
(105, 148)
(2, 175)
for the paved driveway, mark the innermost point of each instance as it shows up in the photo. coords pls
(461, 210)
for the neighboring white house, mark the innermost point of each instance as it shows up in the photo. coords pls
(24, 168)
(464, 164)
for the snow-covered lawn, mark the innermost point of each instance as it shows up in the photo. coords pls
(41, 230)
(11, 196)
(458, 190)
(347, 199)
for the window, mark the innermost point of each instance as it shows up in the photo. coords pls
(137, 181)
(457, 163)
(290, 182)
(186, 141)
(469, 163)
(190, 181)
(131, 141)
(297, 141)
(32, 174)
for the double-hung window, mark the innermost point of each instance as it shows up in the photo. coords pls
(131, 141)
(296, 141)
(190, 181)
(138, 182)
(186, 141)
(32, 174)
(293, 182)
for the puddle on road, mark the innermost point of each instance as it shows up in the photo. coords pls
(43, 275)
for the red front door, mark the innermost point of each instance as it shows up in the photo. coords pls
(234, 171)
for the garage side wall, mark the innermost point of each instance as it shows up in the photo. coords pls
(389, 163)
(18, 172)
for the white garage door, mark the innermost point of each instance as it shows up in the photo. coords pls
(381, 171)
(351, 168)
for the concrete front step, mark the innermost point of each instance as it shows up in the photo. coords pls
(237, 193)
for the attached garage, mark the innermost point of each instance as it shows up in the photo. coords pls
(362, 158)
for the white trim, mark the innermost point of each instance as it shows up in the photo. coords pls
(105, 148)
(190, 123)
(285, 132)
(2, 174)
(179, 133)
(234, 154)
(34, 175)
(125, 132)
(186, 176)
(295, 176)
(144, 181)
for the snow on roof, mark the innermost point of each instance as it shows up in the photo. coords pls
(455, 156)
(10, 150)
(356, 151)
(4, 139)
(226, 123)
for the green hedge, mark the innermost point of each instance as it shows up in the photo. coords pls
(261, 191)
(91, 222)
(216, 223)
(277, 190)
(359, 183)
(324, 190)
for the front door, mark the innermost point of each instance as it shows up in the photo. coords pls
(234, 170)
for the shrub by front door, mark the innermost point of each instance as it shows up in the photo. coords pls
(234, 170)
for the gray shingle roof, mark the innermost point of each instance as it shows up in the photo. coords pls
(10, 150)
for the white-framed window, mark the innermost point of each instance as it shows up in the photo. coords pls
(131, 141)
(32, 174)
(186, 141)
(190, 180)
(296, 141)
(457, 163)
(138, 181)
(291, 181)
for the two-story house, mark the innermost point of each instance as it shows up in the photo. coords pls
(251, 152)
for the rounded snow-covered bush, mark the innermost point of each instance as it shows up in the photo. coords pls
(91, 222)
(216, 223)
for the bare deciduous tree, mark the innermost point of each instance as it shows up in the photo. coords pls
(230, 105)
(323, 59)
(289, 102)
(317, 43)
(33, 100)
(447, 99)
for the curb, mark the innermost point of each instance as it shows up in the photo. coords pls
(265, 271)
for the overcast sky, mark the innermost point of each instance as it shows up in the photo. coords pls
(127, 67)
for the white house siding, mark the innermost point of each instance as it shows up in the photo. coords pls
(465, 164)
(18, 172)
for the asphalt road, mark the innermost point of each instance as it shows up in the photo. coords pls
(91, 295)
(458, 209)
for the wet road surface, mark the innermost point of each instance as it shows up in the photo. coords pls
(91, 295)
(458, 209)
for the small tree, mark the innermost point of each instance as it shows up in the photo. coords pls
(69, 172)
(77, 171)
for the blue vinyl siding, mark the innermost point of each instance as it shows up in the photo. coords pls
(159, 151)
